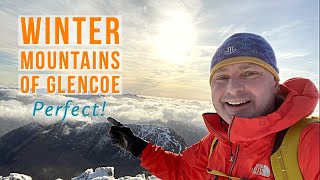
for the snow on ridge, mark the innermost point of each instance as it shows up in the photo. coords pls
(160, 135)
(163, 135)
(107, 173)
(16, 176)
(100, 173)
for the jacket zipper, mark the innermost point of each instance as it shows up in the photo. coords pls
(233, 159)
(231, 153)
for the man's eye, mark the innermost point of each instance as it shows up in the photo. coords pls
(249, 73)
(222, 78)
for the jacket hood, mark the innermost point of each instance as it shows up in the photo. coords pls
(301, 98)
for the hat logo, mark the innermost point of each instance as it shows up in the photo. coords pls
(230, 50)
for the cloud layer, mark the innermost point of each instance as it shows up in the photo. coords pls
(127, 108)
(16, 110)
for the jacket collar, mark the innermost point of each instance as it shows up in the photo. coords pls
(301, 100)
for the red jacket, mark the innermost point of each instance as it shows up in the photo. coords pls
(248, 141)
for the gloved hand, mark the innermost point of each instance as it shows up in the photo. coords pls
(124, 138)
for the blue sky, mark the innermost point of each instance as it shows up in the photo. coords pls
(176, 64)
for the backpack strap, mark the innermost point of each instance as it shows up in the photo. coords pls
(279, 138)
(221, 174)
(284, 160)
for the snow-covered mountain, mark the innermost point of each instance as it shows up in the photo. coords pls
(190, 133)
(106, 173)
(15, 176)
(64, 150)
(100, 173)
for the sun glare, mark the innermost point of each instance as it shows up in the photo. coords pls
(176, 38)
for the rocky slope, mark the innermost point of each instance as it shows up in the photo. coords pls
(65, 150)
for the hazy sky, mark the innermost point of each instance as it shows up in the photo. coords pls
(168, 44)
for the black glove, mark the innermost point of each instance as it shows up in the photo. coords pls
(123, 137)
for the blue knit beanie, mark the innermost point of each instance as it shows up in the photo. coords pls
(245, 47)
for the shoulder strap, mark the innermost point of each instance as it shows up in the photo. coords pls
(279, 138)
(284, 160)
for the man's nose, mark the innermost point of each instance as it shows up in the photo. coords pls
(235, 86)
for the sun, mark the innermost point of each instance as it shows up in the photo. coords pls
(175, 38)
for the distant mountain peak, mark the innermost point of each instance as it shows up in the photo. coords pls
(64, 149)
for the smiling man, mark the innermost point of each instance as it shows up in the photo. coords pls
(244, 90)
(260, 130)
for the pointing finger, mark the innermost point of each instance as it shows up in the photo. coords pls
(113, 121)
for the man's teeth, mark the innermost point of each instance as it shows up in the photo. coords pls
(237, 102)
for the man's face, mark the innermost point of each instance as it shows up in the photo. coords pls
(244, 90)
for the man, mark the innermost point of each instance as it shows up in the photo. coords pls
(252, 109)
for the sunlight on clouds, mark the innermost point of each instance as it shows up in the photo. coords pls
(176, 37)
(168, 45)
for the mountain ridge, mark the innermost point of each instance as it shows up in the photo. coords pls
(64, 150)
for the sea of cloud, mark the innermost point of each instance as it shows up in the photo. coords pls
(17, 110)
(127, 108)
